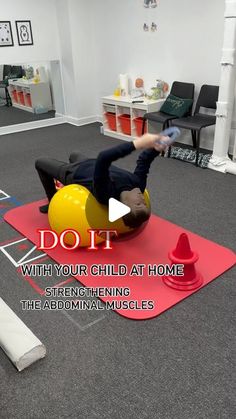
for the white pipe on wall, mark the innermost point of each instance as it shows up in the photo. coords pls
(224, 111)
(234, 151)
(16, 339)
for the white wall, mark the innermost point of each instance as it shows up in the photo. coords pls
(71, 97)
(99, 39)
(187, 45)
(85, 45)
(107, 39)
(45, 50)
(44, 27)
(79, 45)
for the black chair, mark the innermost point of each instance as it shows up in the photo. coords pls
(10, 71)
(179, 89)
(207, 98)
(4, 83)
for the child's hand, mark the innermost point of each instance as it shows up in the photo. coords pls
(157, 141)
(162, 143)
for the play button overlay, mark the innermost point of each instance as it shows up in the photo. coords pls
(116, 210)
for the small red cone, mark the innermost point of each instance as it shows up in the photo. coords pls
(183, 249)
(183, 255)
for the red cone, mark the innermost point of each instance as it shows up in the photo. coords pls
(183, 255)
(183, 249)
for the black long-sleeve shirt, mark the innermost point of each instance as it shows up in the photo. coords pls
(105, 180)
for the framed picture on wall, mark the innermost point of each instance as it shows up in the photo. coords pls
(6, 39)
(24, 32)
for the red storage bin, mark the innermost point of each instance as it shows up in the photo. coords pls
(111, 120)
(28, 100)
(14, 96)
(125, 123)
(21, 98)
(138, 122)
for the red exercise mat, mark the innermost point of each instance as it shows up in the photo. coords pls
(151, 246)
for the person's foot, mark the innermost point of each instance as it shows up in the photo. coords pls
(44, 209)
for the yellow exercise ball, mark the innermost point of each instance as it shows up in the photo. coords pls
(74, 207)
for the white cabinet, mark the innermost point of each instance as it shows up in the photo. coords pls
(122, 117)
(30, 96)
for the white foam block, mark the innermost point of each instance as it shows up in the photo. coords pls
(16, 339)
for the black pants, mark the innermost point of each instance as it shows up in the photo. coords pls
(50, 169)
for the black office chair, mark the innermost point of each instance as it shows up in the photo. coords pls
(179, 89)
(207, 98)
(10, 71)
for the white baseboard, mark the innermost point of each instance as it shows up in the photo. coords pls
(11, 129)
(59, 119)
(99, 118)
(81, 121)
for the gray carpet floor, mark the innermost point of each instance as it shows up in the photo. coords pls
(11, 116)
(180, 365)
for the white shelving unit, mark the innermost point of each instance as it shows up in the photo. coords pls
(119, 105)
(33, 95)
